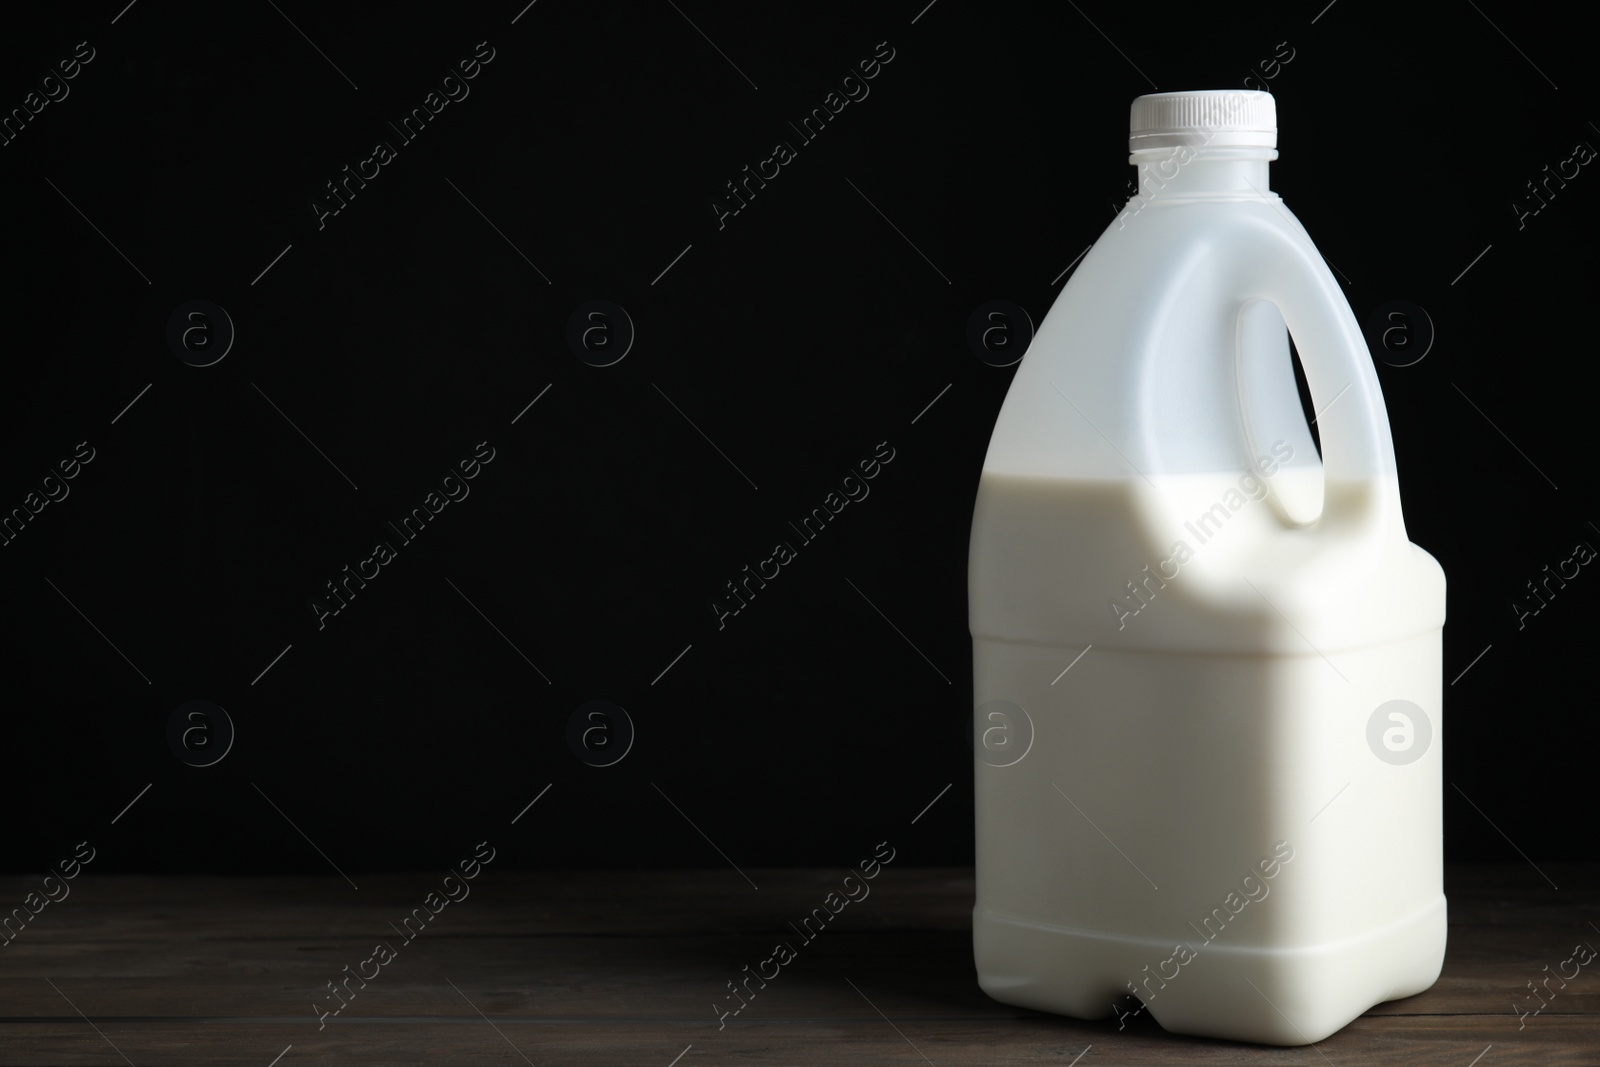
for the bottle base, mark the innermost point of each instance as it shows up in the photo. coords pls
(1271, 996)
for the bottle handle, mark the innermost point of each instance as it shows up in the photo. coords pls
(1275, 424)
(1360, 488)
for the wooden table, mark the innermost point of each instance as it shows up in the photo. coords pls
(623, 968)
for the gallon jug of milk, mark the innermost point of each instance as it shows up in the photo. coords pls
(1206, 661)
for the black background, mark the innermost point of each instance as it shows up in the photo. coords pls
(797, 338)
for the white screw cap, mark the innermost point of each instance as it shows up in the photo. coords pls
(1242, 118)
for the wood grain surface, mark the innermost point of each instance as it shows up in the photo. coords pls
(624, 968)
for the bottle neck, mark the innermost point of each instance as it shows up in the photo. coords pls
(1204, 173)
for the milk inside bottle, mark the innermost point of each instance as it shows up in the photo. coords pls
(1207, 676)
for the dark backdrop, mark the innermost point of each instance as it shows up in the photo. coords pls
(375, 348)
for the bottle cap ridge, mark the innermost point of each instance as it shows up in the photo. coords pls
(1237, 118)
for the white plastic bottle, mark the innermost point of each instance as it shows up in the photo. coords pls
(1206, 664)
